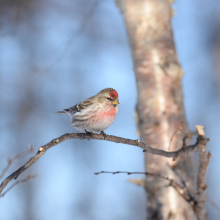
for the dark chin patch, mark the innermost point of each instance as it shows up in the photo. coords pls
(113, 94)
(114, 105)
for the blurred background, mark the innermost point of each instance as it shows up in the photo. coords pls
(54, 54)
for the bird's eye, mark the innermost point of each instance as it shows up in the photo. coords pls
(110, 99)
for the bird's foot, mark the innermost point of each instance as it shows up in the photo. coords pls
(103, 134)
(89, 133)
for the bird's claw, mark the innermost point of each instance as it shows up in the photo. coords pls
(89, 133)
(103, 134)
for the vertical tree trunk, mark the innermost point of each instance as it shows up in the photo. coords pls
(160, 102)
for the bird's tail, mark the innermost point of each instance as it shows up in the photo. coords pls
(61, 112)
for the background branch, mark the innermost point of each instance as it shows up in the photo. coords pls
(17, 182)
(182, 190)
(10, 161)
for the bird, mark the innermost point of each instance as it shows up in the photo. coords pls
(95, 113)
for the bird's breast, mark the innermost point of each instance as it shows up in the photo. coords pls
(108, 115)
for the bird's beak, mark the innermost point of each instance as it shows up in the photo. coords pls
(115, 102)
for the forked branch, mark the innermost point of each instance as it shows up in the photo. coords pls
(83, 136)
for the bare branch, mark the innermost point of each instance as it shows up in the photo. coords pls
(17, 182)
(178, 176)
(179, 129)
(10, 161)
(82, 136)
(183, 191)
(64, 46)
(201, 183)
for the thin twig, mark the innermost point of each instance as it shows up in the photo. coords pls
(83, 136)
(17, 182)
(213, 203)
(179, 129)
(10, 161)
(189, 191)
(176, 174)
(183, 191)
(58, 55)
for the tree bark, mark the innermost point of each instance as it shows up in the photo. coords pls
(160, 106)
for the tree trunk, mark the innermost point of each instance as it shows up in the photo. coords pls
(160, 103)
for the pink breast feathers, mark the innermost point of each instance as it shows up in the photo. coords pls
(110, 113)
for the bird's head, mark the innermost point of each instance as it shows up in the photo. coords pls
(110, 95)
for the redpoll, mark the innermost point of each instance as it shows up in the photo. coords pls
(96, 113)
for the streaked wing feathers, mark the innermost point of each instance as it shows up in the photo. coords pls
(79, 107)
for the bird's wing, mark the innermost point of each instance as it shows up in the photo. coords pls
(79, 107)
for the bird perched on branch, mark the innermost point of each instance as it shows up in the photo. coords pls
(96, 113)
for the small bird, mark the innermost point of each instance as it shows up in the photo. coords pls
(96, 113)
